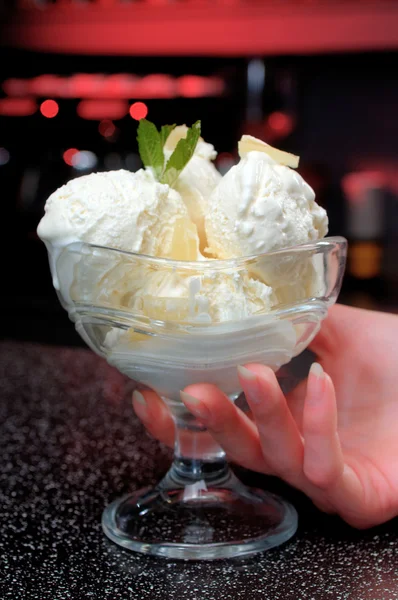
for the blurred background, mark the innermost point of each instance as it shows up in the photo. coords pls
(315, 77)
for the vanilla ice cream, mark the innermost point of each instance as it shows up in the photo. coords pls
(168, 323)
(197, 180)
(260, 206)
(118, 209)
(209, 298)
(164, 292)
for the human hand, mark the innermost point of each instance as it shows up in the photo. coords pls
(335, 436)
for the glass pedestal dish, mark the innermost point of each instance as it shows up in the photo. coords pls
(156, 321)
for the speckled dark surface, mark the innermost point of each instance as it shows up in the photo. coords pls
(70, 444)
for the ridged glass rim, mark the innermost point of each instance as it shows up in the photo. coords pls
(216, 264)
(126, 319)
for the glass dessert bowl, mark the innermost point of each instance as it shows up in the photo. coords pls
(167, 324)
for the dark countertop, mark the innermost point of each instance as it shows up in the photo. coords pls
(70, 444)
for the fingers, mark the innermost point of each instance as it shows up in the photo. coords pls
(280, 439)
(324, 464)
(323, 457)
(155, 415)
(228, 425)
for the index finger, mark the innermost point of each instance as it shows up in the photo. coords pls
(228, 425)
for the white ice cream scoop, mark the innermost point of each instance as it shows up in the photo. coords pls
(261, 206)
(118, 209)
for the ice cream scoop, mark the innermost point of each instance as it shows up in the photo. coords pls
(260, 206)
(118, 209)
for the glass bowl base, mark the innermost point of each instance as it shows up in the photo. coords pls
(204, 523)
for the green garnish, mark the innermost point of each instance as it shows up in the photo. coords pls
(150, 146)
(165, 132)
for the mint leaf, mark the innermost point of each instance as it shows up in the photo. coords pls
(150, 146)
(182, 155)
(165, 132)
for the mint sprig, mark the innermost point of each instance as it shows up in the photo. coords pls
(150, 147)
(165, 132)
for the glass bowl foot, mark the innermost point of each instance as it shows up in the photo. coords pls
(200, 522)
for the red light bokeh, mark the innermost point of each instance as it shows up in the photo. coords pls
(17, 107)
(106, 128)
(49, 109)
(280, 122)
(16, 87)
(192, 86)
(98, 110)
(69, 154)
(154, 86)
(138, 110)
(118, 85)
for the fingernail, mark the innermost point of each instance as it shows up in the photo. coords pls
(139, 398)
(317, 381)
(246, 374)
(195, 406)
(316, 369)
(252, 387)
